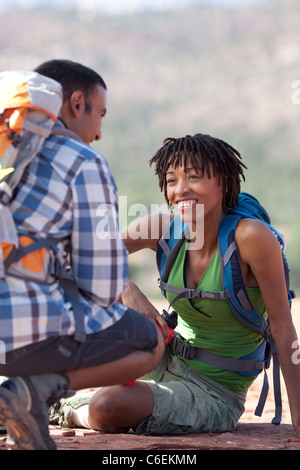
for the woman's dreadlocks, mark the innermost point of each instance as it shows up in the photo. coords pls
(199, 151)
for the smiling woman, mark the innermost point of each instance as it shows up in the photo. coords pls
(206, 156)
(187, 188)
(200, 384)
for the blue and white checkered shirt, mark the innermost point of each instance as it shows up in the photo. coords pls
(62, 194)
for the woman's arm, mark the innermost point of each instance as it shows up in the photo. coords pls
(145, 232)
(260, 253)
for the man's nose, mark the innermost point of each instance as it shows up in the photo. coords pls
(98, 135)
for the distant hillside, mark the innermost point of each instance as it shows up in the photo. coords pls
(223, 71)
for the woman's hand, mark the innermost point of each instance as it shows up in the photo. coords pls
(133, 297)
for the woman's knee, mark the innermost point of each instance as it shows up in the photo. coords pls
(106, 410)
(118, 408)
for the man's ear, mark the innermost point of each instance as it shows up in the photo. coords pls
(77, 103)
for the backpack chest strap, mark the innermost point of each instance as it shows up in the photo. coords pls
(184, 292)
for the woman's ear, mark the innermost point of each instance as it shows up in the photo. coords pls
(77, 103)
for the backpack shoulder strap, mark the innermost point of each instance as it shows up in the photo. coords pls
(249, 207)
(238, 299)
(60, 131)
(65, 278)
(168, 248)
(232, 277)
(169, 245)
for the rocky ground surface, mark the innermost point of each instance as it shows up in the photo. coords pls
(252, 432)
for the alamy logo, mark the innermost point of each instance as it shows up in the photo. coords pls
(296, 354)
(108, 227)
(296, 93)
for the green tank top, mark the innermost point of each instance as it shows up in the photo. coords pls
(211, 325)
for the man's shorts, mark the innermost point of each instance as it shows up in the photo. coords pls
(186, 401)
(60, 354)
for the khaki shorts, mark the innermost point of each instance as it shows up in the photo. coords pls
(186, 401)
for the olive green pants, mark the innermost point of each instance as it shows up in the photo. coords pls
(186, 401)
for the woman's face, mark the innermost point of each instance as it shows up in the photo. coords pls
(187, 188)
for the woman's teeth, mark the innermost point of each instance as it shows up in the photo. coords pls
(186, 203)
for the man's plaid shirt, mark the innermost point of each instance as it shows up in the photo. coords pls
(62, 194)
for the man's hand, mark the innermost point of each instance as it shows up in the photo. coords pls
(132, 297)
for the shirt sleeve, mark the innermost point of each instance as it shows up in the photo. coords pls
(99, 256)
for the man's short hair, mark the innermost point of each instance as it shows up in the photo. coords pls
(72, 76)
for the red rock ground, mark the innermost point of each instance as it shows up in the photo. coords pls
(252, 432)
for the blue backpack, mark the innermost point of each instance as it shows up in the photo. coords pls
(234, 292)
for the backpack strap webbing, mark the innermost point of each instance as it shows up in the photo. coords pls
(241, 306)
(276, 386)
(18, 253)
(36, 129)
(65, 279)
(244, 366)
(232, 278)
(184, 292)
(60, 131)
(188, 351)
(169, 245)
(72, 293)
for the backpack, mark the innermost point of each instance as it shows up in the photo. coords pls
(29, 107)
(234, 292)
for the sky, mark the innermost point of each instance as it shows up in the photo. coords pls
(115, 6)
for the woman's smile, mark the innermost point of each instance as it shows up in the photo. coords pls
(184, 204)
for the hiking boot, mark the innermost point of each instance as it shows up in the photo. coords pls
(61, 412)
(24, 403)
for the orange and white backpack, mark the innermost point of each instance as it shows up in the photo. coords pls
(29, 107)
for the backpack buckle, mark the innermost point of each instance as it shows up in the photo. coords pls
(11, 134)
(185, 350)
(194, 294)
(4, 197)
(267, 330)
(267, 363)
(292, 293)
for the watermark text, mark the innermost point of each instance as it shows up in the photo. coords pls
(136, 218)
(296, 94)
(296, 354)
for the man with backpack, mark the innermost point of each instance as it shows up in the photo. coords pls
(230, 293)
(60, 320)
